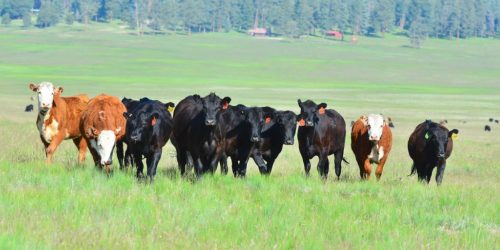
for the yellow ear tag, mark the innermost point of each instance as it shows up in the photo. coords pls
(454, 136)
(170, 109)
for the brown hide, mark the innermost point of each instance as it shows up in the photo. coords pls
(103, 112)
(362, 146)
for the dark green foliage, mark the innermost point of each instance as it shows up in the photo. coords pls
(449, 19)
(6, 19)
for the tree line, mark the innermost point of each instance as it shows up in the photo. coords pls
(418, 18)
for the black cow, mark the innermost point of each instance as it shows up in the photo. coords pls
(487, 128)
(195, 119)
(429, 146)
(278, 131)
(28, 108)
(496, 121)
(491, 119)
(149, 126)
(130, 104)
(237, 131)
(321, 133)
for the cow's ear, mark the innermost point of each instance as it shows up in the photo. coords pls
(60, 90)
(225, 102)
(268, 117)
(127, 115)
(299, 102)
(33, 87)
(93, 132)
(453, 133)
(154, 120)
(170, 106)
(321, 108)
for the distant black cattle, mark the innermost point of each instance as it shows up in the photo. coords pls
(321, 133)
(496, 121)
(149, 126)
(487, 128)
(195, 119)
(28, 108)
(429, 146)
(237, 131)
(278, 131)
(491, 119)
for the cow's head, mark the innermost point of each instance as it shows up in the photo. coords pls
(257, 117)
(288, 121)
(309, 112)
(46, 92)
(437, 137)
(140, 126)
(375, 124)
(212, 105)
(103, 141)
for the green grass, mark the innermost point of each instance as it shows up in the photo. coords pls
(70, 206)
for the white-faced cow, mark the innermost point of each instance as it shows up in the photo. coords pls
(371, 142)
(59, 118)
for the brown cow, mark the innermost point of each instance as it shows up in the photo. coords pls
(102, 124)
(371, 142)
(59, 118)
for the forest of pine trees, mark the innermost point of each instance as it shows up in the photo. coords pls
(419, 18)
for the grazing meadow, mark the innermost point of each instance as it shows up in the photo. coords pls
(65, 205)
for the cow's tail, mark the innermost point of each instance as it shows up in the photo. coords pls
(413, 169)
(344, 160)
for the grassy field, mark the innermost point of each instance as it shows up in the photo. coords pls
(70, 206)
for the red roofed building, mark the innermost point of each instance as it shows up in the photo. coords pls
(258, 32)
(335, 33)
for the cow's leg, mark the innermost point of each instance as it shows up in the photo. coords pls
(339, 155)
(322, 163)
(129, 157)
(198, 166)
(243, 167)
(257, 157)
(214, 162)
(152, 162)
(361, 165)
(181, 160)
(380, 168)
(81, 144)
(367, 166)
(428, 175)
(440, 173)
(270, 164)
(223, 165)
(307, 163)
(56, 140)
(139, 164)
(45, 146)
(119, 153)
(235, 166)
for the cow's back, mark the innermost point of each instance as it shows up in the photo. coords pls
(416, 143)
(74, 108)
(185, 116)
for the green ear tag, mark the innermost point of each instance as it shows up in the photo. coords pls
(427, 136)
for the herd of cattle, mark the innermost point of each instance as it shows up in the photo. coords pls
(205, 131)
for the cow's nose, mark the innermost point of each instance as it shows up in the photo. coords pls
(373, 138)
(108, 162)
(441, 155)
(210, 122)
(255, 138)
(45, 105)
(134, 138)
(310, 124)
(289, 142)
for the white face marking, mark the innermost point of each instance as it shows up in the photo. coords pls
(105, 145)
(375, 127)
(45, 95)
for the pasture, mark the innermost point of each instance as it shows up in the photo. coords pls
(69, 206)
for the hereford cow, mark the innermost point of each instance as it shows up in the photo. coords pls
(371, 142)
(429, 146)
(149, 126)
(278, 131)
(102, 124)
(59, 118)
(321, 133)
(195, 119)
